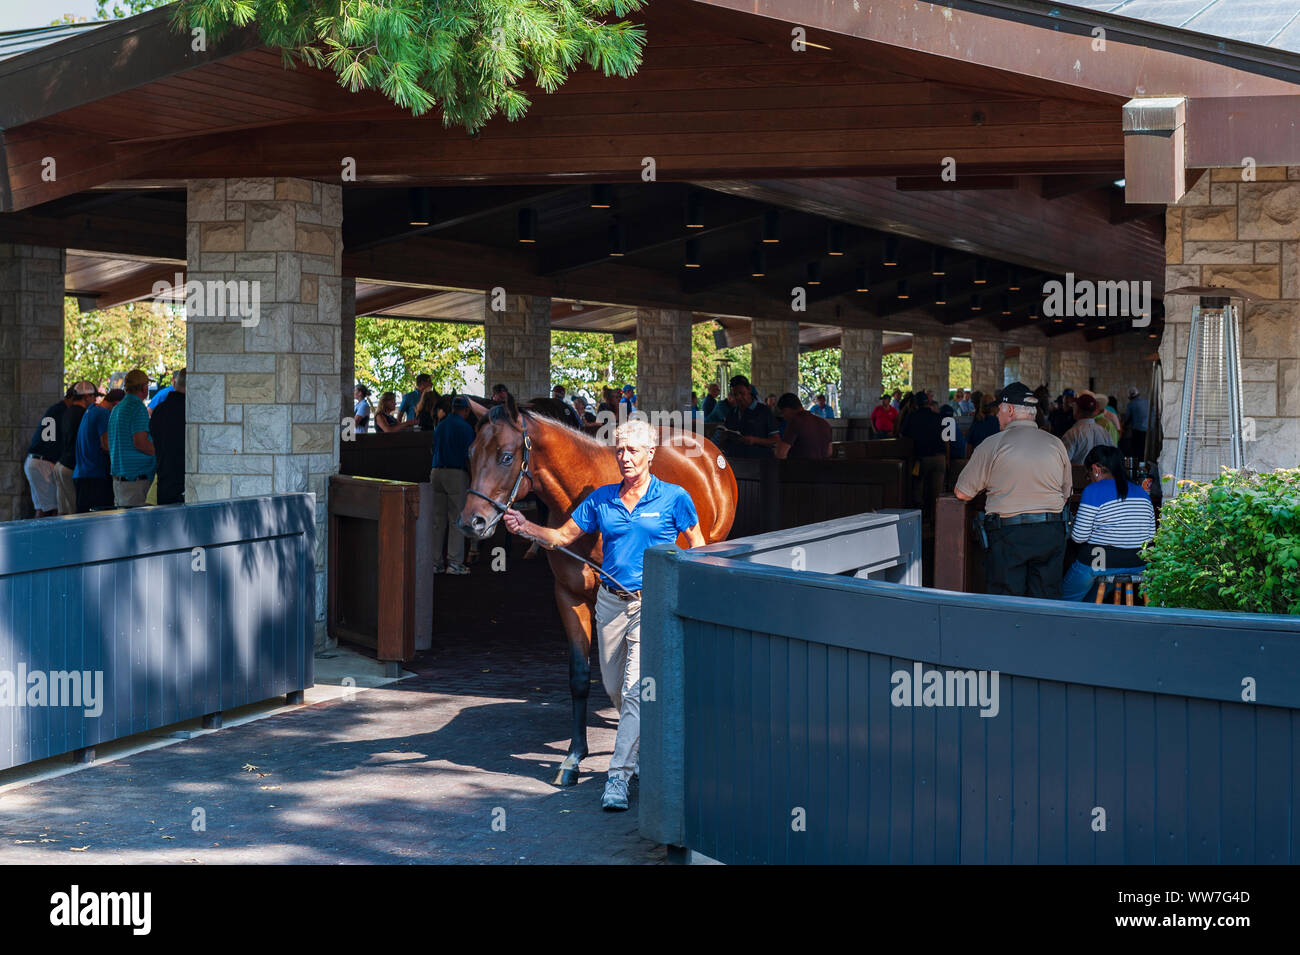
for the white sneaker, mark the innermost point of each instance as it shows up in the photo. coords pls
(615, 798)
(457, 569)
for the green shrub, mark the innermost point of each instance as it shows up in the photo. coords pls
(1232, 544)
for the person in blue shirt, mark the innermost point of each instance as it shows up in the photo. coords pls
(449, 478)
(90, 475)
(821, 409)
(638, 512)
(130, 445)
(411, 400)
(159, 397)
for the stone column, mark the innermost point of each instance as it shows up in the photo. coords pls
(31, 359)
(1075, 369)
(262, 394)
(860, 350)
(930, 365)
(517, 344)
(1229, 232)
(1054, 372)
(663, 360)
(776, 357)
(987, 365)
(1033, 365)
(348, 344)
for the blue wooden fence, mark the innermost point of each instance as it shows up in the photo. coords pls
(173, 632)
(774, 735)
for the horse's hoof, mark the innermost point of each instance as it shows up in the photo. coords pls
(566, 777)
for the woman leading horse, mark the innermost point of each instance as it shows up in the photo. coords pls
(516, 452)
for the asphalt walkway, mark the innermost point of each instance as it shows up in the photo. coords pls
(451, 765)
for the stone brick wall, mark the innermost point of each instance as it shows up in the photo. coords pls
(31, 359)
(262, 395)
(663, 359)
(1115, 372)
(775, 357)
(1033, 365)
(1233, 233)
(517, 345)
(987, 365)
(1076, 369)
(930, 364)
(860, 351)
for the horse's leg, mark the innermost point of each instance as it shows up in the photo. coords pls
(576, 615)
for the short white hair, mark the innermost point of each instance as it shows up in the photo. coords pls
(1022, 412)
(637, 433)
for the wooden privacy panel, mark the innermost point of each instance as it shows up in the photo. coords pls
(776, 698)
(177, 612)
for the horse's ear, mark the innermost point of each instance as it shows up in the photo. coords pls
(478, 409)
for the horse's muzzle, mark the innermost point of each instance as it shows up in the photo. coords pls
(477, 527)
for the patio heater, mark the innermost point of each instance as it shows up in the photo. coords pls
(1210, 420)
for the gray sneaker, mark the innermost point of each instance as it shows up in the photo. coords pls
(457, 569)
(615, 798)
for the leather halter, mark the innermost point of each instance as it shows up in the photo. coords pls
(498, 414)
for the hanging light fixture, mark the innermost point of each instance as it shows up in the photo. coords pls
(864, 279)
(891, 250)
(692, 253)
(602, 196)
(941, 293)
(937, 262)
(835, 239)
(758, 263)
(975, 303)
(981, 272)
(814, 273)
(771, 227)
(902, 288)
(420, 203)
(527, 225)
(1015, 280)
(617, 240)
(1006, 304)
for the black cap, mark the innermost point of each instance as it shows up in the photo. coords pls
(1017, 393)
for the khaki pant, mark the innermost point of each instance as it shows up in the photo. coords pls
(131, 493)
(67, 489)
(449, 486)
(618, 628)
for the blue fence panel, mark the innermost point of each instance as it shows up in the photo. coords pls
(173, 633)
(781, 742)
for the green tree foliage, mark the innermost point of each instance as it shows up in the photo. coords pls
(818, 371)
(467, 57)
(390, 352)
(959, 372)
(586, 362)
(1232, 544)
(705, 356)
(97, 344)
(895, 372)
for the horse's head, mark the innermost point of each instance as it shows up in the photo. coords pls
(496, 462)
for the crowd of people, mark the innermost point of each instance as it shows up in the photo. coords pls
(95, 450)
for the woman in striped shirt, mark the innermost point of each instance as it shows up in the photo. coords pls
(1115, 520)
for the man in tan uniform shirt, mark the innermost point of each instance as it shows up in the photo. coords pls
(1027, 477)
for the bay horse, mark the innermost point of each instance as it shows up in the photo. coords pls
(516, 451)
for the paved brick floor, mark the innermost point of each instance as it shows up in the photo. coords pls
(417, 771)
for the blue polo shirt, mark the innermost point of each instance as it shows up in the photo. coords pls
(451, 441)
(409, 402)
(92, 460)
(664, 511)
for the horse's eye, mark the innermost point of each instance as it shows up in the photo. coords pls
(507, 459)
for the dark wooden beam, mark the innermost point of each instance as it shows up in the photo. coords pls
(1058, 187)
(937, 184)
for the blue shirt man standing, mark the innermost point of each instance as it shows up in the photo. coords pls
(449, 479)
(638, 512)
(130, 446)
(411, 400)
(821, 409)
